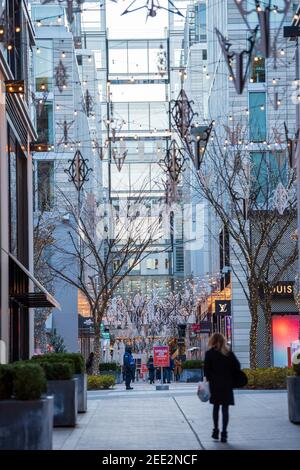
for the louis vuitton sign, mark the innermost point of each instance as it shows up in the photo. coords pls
(223, 307)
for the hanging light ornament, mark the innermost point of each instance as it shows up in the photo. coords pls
(65, 126)
(152, 6)
(281, 198)
(173, 166)
(202, 135)
(242, 66)
(87, 103)
(182, 116)
(78, 170)
(265, 43)
(119, 158)
(61, 76)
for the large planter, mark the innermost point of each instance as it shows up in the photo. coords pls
(117, 375)
(293, 389)
(26, 425)
(82, 392)
(191, 375)
(65, 394)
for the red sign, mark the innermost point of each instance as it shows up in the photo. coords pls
(144, 369)
(161, 356)
(196, 327)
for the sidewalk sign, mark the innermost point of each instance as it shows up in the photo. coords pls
(161, 359)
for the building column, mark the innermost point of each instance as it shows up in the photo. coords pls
(4, 230)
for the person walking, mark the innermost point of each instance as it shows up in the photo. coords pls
(89, 363)
(150, 365)
(177, 369)
(220, 367)
(127, 367)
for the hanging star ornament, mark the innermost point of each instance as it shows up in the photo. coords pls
(241, 60)
(119, 158)
(265, 44)
(202, 135)
(61, 76)
(281, 198)
(152, 6)
(173, 166)
(65, 126)
(78, 170)
(182, 114)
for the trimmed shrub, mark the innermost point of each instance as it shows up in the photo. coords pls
(96, 382)
(107, 366)
(6, 381)
(193, 364)
(268, 378)
(29, 381)
(77, 364)
(57, 370)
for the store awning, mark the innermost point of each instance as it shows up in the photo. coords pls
(39, 299)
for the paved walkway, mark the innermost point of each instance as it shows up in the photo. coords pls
(145, 419)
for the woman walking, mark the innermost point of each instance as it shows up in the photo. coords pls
(220, 368)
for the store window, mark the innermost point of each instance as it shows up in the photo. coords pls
(268, 170)
(45, 181)
(152, 263)
(258, 72)
(44, 123)
(257, 117)
(43, 66)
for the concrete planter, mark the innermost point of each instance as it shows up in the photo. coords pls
(191, 375)
(26, 425)
(293, 389)
(65, 401)
(82, 392)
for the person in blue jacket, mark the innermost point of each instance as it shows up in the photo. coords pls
(127, 367)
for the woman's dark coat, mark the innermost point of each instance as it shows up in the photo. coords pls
(219, 370)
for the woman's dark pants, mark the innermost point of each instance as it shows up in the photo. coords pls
(225, 415)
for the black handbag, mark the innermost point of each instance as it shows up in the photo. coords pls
(240, 379)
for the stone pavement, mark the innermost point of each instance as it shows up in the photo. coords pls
(147, 419)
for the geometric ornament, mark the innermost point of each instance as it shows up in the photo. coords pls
(119, 159)
(263, 17)
(61, 76)
(280, 198)
(152, 6)
(239, 76)
(182, 114)
(78, 170)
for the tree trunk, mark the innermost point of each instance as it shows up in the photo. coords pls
(253, 305)
(97, 351)
(40, 334)
(268, 327)
(98, 317)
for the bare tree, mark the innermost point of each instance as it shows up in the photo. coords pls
(104, 246)
(251, 189)
(43, 238)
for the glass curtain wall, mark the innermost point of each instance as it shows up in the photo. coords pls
(138, 77)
